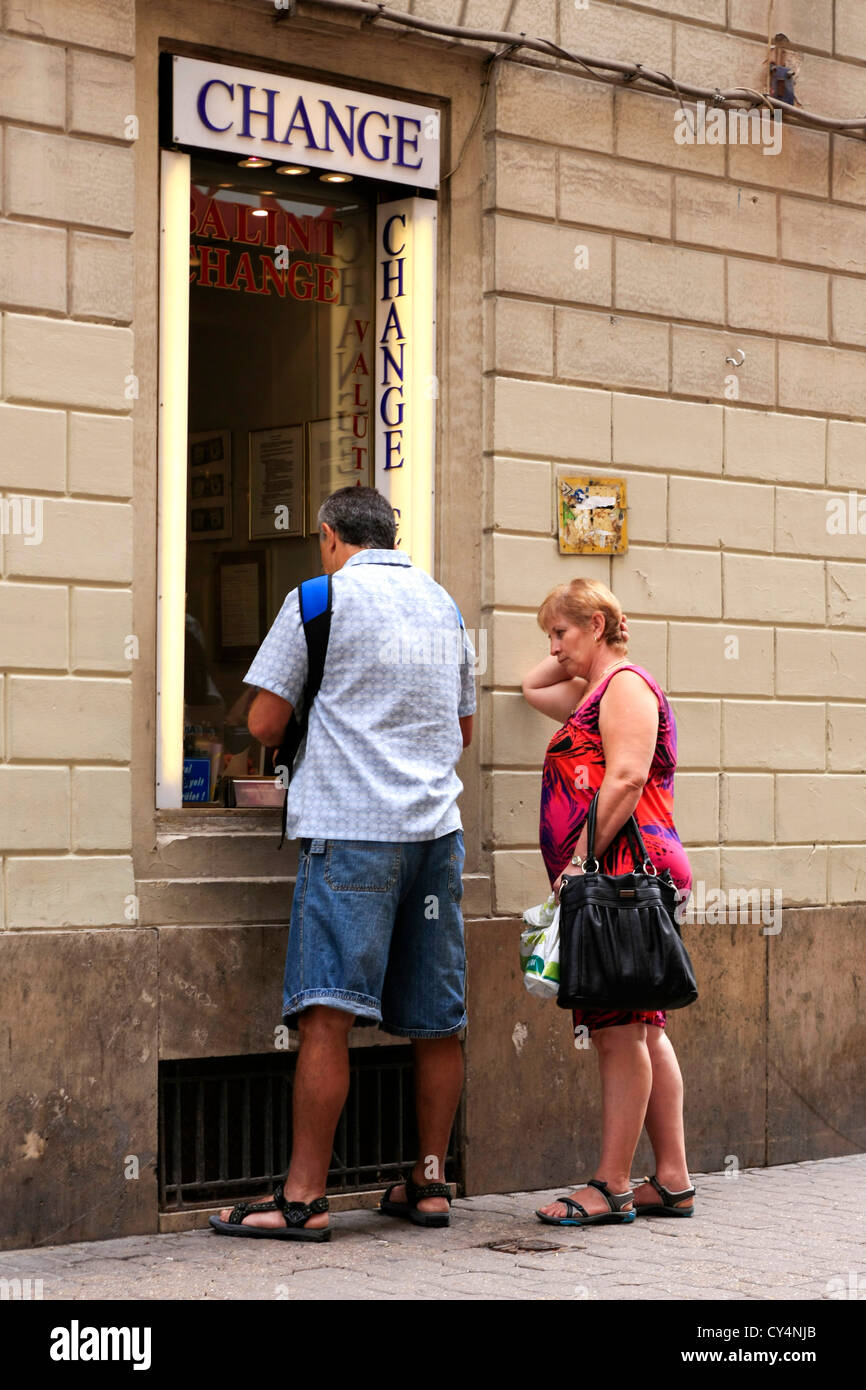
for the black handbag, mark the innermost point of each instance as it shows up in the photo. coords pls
(619, 941)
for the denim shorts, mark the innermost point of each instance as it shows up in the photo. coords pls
(377, 931)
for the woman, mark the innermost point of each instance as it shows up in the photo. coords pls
(618, 737)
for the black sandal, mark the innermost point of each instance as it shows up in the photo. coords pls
(668, 1204)
(295, 1214)
(408, 1210)
(615, 1201)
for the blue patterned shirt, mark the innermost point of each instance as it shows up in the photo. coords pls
(378, 761)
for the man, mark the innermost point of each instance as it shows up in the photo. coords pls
(376, 932)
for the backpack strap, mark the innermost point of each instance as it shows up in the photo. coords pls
(315, 599)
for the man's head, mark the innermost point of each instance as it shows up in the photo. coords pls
(352, 519)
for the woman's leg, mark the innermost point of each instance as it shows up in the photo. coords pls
(626, 1079)
(664, 1121)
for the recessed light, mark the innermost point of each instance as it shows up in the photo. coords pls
(225, 185)
(292, 169)
(260, 212)
(254, 162)
(336, 178)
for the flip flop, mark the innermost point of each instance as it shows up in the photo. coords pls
(295, 1214)
(615, 1216)
(408, 1210)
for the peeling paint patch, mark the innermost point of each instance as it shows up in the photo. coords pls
(519, 1036)
(33, 1146)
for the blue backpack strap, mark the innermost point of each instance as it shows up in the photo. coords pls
(314, 601)
(314, 597)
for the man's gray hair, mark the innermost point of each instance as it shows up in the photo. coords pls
(360, 516)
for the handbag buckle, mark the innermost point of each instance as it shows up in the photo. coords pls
(586, 863)
(650, 869)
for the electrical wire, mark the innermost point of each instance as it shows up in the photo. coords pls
(626, 73)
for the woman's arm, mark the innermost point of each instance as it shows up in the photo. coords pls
(547, 688)
(628, 722)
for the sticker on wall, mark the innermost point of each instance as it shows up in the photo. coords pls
(591, 515)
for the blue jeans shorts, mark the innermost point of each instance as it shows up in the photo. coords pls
(377, 930)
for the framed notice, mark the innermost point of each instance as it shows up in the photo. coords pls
(592, 516)
(209, 486)
(332, 463)
(241, 603)
(277, 482)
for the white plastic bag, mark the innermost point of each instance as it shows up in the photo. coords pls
(539, 949)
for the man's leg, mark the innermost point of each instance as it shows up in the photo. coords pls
(438, 1085)
(425, 993)
(320, 1090)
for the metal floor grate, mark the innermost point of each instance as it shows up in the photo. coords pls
(225, 1126)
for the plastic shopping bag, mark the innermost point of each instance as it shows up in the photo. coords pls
(539, 949)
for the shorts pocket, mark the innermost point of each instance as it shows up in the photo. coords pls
(361, 866)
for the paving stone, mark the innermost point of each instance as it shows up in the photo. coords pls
(772, 1233)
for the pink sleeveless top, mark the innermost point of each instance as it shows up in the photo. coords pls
(573, 771)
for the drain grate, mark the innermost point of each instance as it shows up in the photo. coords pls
(524, 1247)
(225, 1126)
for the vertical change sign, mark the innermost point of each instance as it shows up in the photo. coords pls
(406, 383)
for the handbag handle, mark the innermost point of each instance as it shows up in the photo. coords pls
(640, 859)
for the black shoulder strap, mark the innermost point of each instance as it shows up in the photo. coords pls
(315, 599)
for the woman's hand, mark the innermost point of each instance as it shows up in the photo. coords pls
(623, 627)
(549, 688)
(566, 873)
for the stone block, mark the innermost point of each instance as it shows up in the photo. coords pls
(101, 808)
(551, 421)
(773, 447)
(668, 435)
(79, 1085)
(816, 1036)
(778, 735)
(63, 179)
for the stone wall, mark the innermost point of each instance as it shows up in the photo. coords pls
(618, 368)
(66, 90)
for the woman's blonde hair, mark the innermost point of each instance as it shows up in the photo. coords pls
(577, 601)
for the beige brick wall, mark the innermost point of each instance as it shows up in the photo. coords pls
(621, 270)
(743, 600)
(66, 395)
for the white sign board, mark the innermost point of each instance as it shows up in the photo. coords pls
(406, 383)
(290, 121)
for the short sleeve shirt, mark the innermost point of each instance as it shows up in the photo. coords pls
(378, 761)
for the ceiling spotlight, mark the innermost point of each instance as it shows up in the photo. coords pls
(254, 162)
(292, 169)
(336, 178)
(225, 185)
(260, 212)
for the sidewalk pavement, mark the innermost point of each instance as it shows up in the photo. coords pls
(791, 1232)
